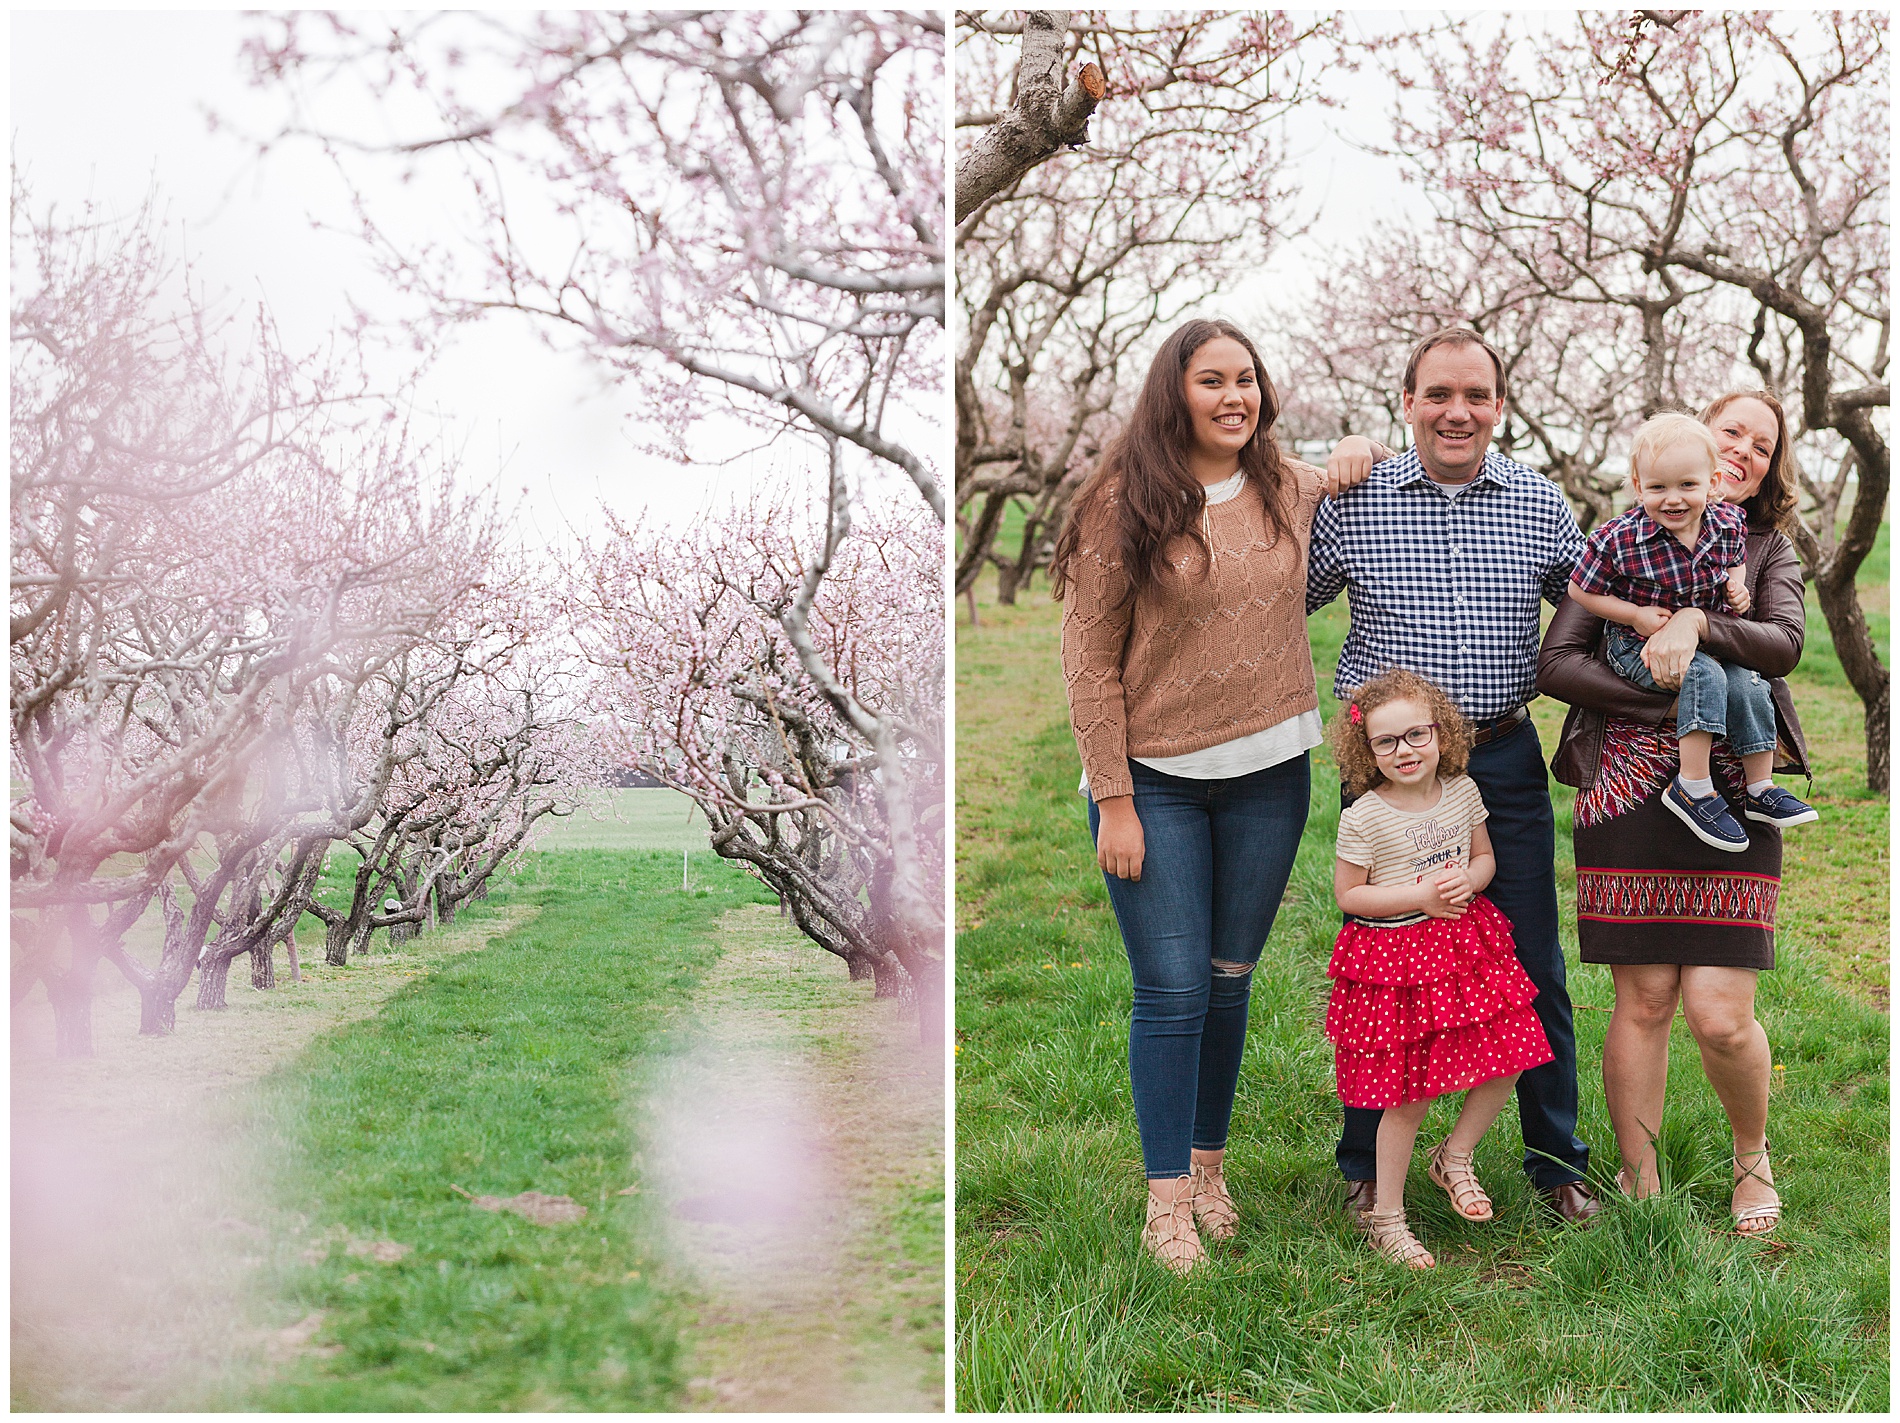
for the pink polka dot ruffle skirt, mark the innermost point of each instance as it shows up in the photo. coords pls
(1430, 1008)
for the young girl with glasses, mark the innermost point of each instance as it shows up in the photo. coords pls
(1428, 996)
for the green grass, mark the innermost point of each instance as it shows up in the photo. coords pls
(1658, 1307)
(500, 1072)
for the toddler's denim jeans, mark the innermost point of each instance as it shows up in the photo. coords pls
(1216, 859)
(1719, 697)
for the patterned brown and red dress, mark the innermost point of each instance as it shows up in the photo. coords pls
(1650, 892)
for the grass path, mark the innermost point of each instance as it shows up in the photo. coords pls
(504, 1073)
(796, 1144)
(135, 1242)
(1659, 1308)
(271, 1208)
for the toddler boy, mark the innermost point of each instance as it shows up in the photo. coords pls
(1682, 546)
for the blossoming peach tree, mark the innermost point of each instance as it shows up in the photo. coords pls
(784, 667)
(221, 560)
(1728, 168)
(738, 215)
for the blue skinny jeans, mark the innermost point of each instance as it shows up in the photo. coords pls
(1217, 854)
(1730, 701)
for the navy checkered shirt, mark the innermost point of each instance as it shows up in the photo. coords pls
(1447, 587)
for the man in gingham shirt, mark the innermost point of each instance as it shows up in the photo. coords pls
(1444, 553)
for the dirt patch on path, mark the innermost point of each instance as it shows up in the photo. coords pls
(134, 1245)
(797, 1152)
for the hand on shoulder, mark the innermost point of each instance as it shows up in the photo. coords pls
(1350, 464)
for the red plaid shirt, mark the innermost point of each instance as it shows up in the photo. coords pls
(1636, 559)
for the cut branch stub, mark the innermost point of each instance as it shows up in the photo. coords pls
(1043, 118)
(1085, 91)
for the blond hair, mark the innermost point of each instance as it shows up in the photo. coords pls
(1669, 431)
(1352, 747)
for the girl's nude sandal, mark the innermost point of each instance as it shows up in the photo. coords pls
(1451, 1171)
(1213, 1207)
(1392, 1238)
(1169, 1235)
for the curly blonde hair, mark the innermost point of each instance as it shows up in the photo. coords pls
(1353, 750)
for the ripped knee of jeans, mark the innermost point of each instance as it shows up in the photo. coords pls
(1225, 969)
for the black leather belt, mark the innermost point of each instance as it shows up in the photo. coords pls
(1483, 731)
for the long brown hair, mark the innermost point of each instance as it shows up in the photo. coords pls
(1144, 483)
(1772, 505)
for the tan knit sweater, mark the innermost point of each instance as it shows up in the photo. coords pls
(1200, 659)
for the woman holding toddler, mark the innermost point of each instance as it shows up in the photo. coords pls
(1672, 893)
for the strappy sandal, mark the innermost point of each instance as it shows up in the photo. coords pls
(1213, 1207)
(1169, 1235)
(1451, 1171)
(1626, 1186)
(1755, 1220)
(1393, 1239)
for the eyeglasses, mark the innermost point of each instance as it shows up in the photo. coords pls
(1415, 737)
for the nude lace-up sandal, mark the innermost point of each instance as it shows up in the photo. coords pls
(1451, 1172)
(1213, 1207)
(1170, 1235)
(1392, 1238)
(1755, 1220)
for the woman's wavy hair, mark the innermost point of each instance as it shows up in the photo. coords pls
(1352, 748)
(1144, 482)
(1772, 505)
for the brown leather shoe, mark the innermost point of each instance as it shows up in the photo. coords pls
(1574, 1201)
(1361, 1196)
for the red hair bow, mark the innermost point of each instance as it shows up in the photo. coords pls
(1352, 710)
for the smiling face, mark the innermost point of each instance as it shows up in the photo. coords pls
(1404, 765)
(1223, 401)
(1452, 410)
(1745, 432)
(1674, 486)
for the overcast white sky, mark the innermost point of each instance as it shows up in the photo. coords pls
(1343, 188)
(111, 105)
(1347, 186)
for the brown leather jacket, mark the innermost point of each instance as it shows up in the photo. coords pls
(1572, 668)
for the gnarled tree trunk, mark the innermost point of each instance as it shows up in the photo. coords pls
(263, 965)
(158, 1010)
(213, 972)
(70, 991)
(888, 976)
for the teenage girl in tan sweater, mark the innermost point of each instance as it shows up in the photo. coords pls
(1183, 574)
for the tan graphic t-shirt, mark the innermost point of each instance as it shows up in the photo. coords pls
(1406, 847)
